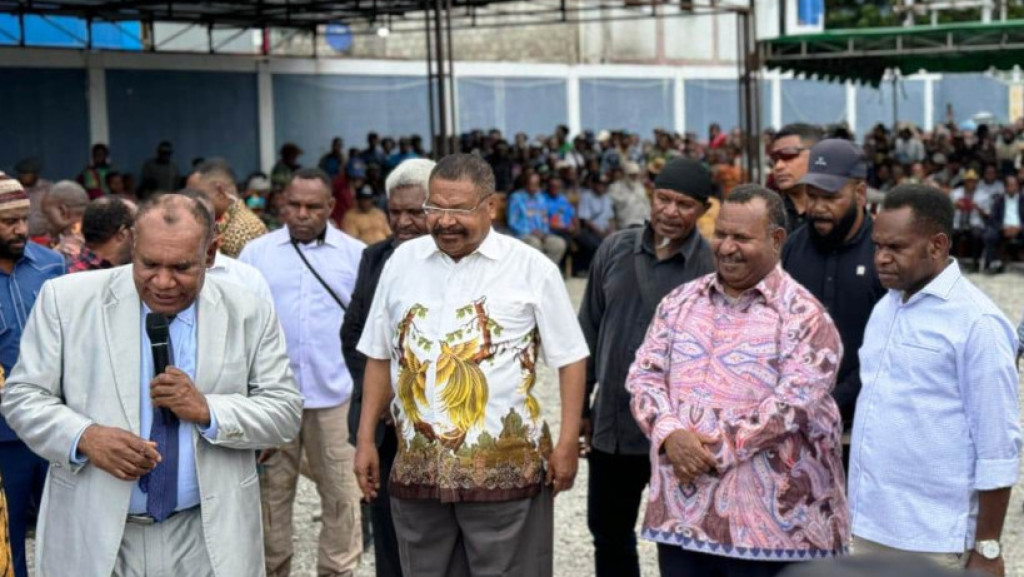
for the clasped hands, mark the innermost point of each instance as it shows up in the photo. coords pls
(128, 456)
(688, 453)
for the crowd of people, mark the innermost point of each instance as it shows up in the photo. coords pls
(774, 364)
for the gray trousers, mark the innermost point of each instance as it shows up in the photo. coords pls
(169, 549)
(507, 539)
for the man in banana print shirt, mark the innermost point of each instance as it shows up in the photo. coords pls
(457, 326)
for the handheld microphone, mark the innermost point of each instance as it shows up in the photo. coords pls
(158, 330)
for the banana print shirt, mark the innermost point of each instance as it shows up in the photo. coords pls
(463, 339)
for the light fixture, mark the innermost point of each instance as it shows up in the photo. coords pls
(383, 32)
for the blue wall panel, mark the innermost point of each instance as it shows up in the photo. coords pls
(813, 101)
(710, 101)
(310, 110)
(204, 114)
(636, 105)
(530, 105)
(875, 105)
(718, 100)
(45, 115)
(970, 94)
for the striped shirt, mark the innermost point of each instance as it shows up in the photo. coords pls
(937, 419)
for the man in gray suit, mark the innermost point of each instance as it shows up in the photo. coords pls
(152, 474)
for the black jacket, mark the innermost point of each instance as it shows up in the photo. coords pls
(846, 282)
(998, 213)
(370, 267)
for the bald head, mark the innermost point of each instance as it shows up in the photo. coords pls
(64, 206)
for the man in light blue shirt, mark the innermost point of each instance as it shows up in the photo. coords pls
(936, 435)
(311, 268)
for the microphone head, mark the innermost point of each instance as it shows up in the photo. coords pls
(157, 329)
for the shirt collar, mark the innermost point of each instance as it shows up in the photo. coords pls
(766, 288)
(490, 248)
(187, 316)
(329, 236)
(645, 242)
(942, 285)
(218, 261)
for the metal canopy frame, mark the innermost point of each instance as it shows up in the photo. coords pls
(437, 18)
(865, 56)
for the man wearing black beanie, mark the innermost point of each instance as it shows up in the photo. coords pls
(632, 271)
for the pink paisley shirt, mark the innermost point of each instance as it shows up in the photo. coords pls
(754, 373)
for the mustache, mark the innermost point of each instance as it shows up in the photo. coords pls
(438, 230)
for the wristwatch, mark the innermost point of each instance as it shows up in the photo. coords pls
(988, 549)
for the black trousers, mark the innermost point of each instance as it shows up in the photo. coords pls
(674, 561)
(385, 544)
(615, 487)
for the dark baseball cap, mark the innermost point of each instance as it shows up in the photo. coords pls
(832, 162)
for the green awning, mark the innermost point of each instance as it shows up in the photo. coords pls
(864, 55)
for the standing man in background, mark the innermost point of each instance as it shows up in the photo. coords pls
(107, 230)
(634, 269)
(311, 269)
(406, 188)
(64, 207)
(833, 257)
(24, 267)
(236, 224)
(789, 153)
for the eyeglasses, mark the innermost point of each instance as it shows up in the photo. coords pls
(432, 210)
(786, 154)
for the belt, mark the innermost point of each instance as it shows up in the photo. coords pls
(147, 519)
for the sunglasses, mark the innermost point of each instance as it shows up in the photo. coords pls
(786, 154)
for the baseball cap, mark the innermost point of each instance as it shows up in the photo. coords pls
(832, 162)
(366, 191)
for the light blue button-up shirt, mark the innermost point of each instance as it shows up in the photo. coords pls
(310, 317)
(185, 353)
(937, 419)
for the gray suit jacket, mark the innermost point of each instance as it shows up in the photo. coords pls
(79, 364)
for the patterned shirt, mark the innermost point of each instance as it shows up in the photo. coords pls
(753, 373)
(87, 260)
(528, 213)
(237, 227)
(938, 418)
(464, 339)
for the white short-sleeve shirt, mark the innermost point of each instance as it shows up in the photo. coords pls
(463, 339)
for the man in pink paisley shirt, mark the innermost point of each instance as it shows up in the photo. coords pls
(732, 387)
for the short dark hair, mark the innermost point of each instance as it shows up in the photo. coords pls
(466, 167)
(112, 175)
(311, 173)
(215, 167)
(201, 197)
(104, 218)
(168, 205)
(931, 207)
(808, 133)
(745, 193)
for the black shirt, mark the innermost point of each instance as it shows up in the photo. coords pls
(370, 267)
(794, 219)
(845, 281)
(627, 282)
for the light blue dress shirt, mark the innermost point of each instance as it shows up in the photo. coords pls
(185, 352)
(937, 419)
(310, 317)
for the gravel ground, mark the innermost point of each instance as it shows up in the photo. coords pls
(573, 549)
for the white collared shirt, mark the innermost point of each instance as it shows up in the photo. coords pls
(240, 274)
(463, 339)
(310, 317)
(937, 418)
(1011, 206)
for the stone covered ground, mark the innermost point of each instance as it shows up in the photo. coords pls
(573, 550)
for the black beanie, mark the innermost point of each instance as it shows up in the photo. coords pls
(686, 176)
